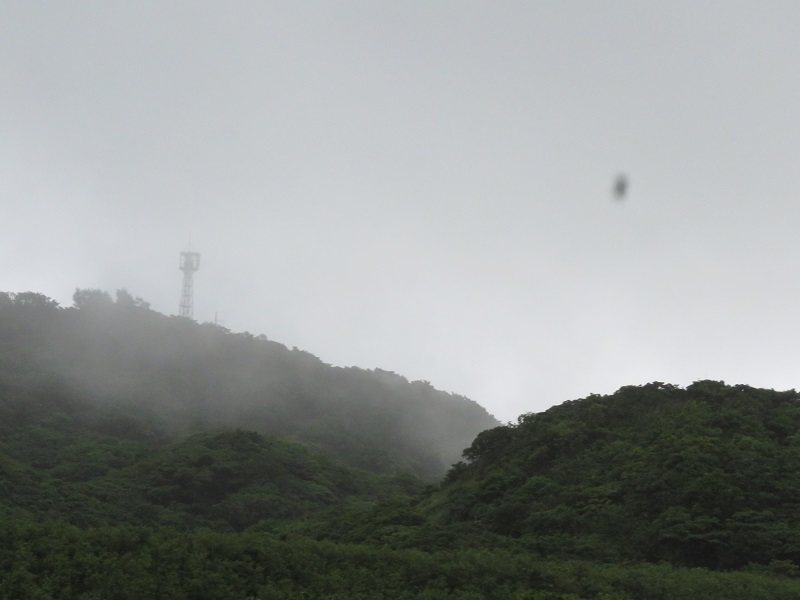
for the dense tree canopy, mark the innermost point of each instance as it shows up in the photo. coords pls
(703, 476)
(144, 456)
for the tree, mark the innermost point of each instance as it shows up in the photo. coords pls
(91, 299)
(34, 300)
(126, 299)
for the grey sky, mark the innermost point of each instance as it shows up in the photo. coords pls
(424, 187)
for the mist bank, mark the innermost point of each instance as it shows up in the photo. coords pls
(116, 354)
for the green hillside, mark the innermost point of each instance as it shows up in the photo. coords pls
(704, 476)
(144, 456)
(229, 481)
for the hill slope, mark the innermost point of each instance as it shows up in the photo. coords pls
(231, 480)
(102, 356)
(541, 510)
(703, 476)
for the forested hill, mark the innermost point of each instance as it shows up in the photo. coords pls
(706, 476)
(115, 359)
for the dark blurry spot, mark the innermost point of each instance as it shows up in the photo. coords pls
(620, 187)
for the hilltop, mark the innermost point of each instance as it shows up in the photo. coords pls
(105, 361)
(706, 476)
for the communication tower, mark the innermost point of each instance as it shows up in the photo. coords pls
(190, 262)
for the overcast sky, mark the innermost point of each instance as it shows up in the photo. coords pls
(423, 186)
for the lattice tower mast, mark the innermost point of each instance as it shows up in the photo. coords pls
(190, 262)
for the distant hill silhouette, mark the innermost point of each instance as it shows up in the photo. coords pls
(107, 360)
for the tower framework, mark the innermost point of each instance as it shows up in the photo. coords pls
(190, 262)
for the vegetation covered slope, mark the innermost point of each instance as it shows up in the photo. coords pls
(103, 355)
(51, 560)
(70, 470)
(703, 476)
(137, 460)
(397, 545)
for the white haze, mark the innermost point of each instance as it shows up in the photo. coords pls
(424, 187)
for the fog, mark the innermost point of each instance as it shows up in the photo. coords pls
(425, 188)
(116, 367)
